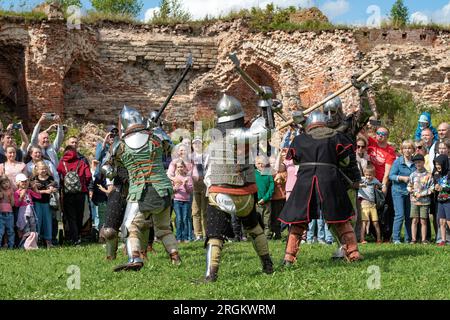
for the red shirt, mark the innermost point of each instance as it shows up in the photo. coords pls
(379, 157)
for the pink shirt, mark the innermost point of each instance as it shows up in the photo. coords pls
(31, 194)
(5, 203)
(12, 170)
(291, 170)
(183, 192)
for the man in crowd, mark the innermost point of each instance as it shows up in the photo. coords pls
(7, 140)
(382, 156)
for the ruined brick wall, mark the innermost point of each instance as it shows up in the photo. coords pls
(89, 74)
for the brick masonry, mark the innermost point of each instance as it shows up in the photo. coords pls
(89, 74)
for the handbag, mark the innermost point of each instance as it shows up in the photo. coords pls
(54, 200)
(380, 199)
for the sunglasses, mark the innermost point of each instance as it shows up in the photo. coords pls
(382, 133)
(360, 147)
(419, 147)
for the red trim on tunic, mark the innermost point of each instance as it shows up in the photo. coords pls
(339, 145)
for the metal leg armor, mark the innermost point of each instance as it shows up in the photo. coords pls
(213, 251)
(293, 243)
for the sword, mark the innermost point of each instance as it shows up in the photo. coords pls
(188, 67)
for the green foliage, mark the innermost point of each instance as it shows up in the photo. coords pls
(43, 274)
(170, 12)
(130, 8)
(399, 14)
(399, 111)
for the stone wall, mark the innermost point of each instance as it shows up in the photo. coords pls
(89, 74)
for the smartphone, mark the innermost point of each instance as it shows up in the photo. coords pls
(375, 123)
(50, 116)
(17, 126)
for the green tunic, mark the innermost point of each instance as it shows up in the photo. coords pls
(145, 167)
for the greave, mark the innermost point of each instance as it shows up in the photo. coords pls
(213, 251)
(259, 240)
(293, 242)
(348, 238)
(111, 248)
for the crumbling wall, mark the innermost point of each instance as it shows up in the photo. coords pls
(89, 74)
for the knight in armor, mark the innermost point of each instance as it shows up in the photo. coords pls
(149, 192)
(231, 185)
(321, 153)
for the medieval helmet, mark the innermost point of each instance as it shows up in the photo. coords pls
(316, 117)
(333, 109)
(130, 119)
(228, 109)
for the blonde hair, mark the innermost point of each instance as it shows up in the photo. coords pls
(407, 143)
(369, 170)
(35, 169)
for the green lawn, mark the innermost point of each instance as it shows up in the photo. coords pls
(406, 272)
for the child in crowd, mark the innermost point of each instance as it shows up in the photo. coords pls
(278, 198)
(99, 197)
(441, 179)
(26, 220)
(265, 185)
(366, 195)
(183, 188)
(420, 187)
(6, 210)
(45, 185)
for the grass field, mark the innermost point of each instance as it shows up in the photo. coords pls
(406, 272)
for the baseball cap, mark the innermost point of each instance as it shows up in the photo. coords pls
(197, 139)
(423, 118)
(112, 128)
(21, 177)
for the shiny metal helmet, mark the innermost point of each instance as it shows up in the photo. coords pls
(228, 109)
(130, 119)
(333, 109)
(316, 117)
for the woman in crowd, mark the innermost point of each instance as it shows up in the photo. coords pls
(401, 169)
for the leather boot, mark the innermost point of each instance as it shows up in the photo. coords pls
(175, 258)
(348, 239)
(267, 264)
(293, 244)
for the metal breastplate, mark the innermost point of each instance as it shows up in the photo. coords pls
(228, 167)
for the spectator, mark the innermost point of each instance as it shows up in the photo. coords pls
(49, 151)
(181, 152)
(366, 194)
(420, 187)
(265, 185)
(399, 175)
(423, 123)
(382, 156)
(74, 200)
(73, 142)
(26, 221)
(427, 138)
(12, 167)
(102, 148)
(6, 211)
(101, 188)
(443, 134)
(182, 186)
(444, 147)
(8, 141)
(199, 201)
(45, 185)
(36, 156)
(362, 159)
(324, 236)
(278, 197)
(442, 186)
(421, 149)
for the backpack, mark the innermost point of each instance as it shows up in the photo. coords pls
(72, 183)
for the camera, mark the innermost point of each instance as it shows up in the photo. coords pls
(17, 126)
(375, 123)
(50, 116)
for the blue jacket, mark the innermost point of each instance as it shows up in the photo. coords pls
(417, 135)
(399, 168)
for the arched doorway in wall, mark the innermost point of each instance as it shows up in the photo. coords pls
(13, 93)
(79, 83)
(247, 96)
